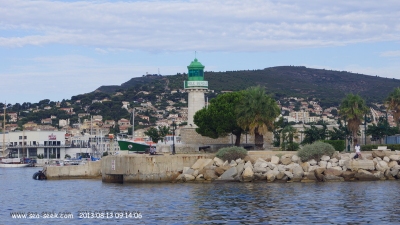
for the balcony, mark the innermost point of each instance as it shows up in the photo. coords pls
(39, 146)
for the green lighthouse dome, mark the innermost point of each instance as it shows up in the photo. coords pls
(195, 65)
(195, 70)
(196, 76)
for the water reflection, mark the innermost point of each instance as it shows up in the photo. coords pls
(233, 203)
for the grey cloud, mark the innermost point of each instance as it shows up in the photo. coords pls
(226, 25)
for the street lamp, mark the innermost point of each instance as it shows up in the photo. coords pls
(173, 136)
(387, 126)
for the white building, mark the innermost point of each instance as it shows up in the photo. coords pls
(31, 144)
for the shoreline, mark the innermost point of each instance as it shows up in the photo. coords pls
(258, 166)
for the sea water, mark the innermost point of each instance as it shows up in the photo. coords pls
(89, 201)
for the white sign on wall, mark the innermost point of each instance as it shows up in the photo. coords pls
(197, 83)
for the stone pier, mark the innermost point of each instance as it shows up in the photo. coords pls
(86, 171)
(145, 168)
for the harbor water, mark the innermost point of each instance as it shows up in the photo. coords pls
(194, 203)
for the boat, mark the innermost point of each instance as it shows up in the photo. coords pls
(10, 162)
(39, 175)
(136, 145)
(13, 163)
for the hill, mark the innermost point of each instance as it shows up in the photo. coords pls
(328, 86)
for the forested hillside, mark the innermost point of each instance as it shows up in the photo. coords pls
(328, 86)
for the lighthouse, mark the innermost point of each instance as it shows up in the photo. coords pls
(195, 86)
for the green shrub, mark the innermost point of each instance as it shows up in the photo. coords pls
(293, 146)
(231, 153)
(389, 146)
(339, 145)
(315, 151)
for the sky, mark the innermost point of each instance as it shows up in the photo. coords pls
(58, 49)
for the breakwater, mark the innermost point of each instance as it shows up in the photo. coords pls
(270, 166)
(145, 168)
(378, 165)
(89, 170)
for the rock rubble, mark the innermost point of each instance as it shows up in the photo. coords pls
(290, 168)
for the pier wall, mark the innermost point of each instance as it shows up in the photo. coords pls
(88, 170)
(146, 168)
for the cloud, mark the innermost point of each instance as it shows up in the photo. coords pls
(226, 25)
(390, 54)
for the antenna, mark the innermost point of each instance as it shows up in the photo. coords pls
(195, 54)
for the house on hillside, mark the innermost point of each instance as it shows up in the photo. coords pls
(63, 123)
(123, 122)
(46, 121)
(109, 122)
(11, 127)
(123, 129)
(125, 105)
(29, 125)
(69, 111)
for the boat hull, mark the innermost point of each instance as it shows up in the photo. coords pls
(9, 165)
(133, 146)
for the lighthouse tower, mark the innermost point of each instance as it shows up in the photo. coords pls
(195, 86)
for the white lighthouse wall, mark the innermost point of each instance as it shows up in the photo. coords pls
(195, 103)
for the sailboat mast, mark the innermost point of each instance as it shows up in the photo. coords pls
(133, 123)
(4, 130)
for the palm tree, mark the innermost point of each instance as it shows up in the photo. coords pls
(393, 103)
(289, 133)
(352, 109)
(257, 113)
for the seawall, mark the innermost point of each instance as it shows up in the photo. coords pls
(87, 171)
(146, 168)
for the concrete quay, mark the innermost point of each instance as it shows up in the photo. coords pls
(140, 168)
(90, 170)
(145, 168)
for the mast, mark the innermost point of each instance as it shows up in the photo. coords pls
(23, 143)
(4, 129)
(133, 123)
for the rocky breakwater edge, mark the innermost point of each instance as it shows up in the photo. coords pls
(380, 165)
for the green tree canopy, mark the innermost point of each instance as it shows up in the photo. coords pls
(257, 112)
(152, 132)
(352, 109)
(157, 134)
(219, 118)
(313, 134)
(393, 103)
(289, 133)
(381, 130)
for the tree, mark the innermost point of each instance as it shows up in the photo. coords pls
(393, 103)
(152, 132)
(157, 134)
(219, 118)
(338, 134)
(381, 130)
(257, 112)
(288, 135)
(352, 109)
(163, 131)
(313, 134)
(277, 130)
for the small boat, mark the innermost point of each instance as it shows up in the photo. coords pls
(10, 162)
(39, 176)
(13, 163)
(138, 145)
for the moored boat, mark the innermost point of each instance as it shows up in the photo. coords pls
(13, 163)
(138, 145)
